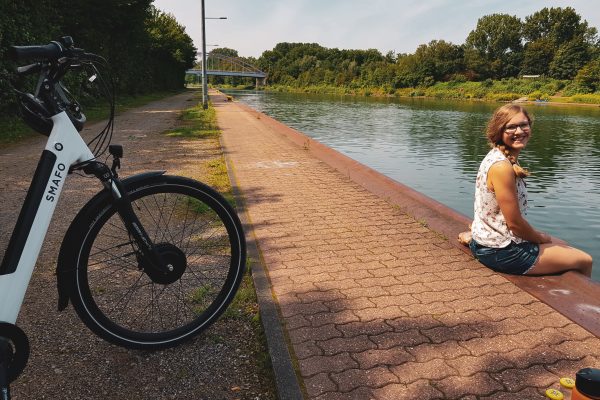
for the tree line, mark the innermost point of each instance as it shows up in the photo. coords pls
(553, 42)
(147, 48)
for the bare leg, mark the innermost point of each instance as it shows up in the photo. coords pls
(555, 258)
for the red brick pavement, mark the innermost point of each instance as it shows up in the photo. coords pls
(375, 304)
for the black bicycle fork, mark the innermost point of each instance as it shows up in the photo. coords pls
(149, 255)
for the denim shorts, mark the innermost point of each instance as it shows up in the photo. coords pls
(515, 259)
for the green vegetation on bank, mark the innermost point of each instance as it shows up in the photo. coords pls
(554, 48)
(510, 89)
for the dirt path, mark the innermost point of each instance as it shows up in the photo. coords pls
(69, 362)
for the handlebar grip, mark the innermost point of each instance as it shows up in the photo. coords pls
(50, 51)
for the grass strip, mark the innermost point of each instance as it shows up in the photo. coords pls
(197, 123)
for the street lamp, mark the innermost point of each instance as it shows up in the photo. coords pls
(204, 80)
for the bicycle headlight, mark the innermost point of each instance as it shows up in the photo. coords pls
(35, 114)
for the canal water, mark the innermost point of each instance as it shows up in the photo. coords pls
(435, 147)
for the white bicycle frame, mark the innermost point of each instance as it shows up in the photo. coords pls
(64, 148)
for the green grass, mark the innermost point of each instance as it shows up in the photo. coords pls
(13, 130)
(202, 125)
(200, 294)
(219, 178)
(198, 123)
(245, 307)
(245, 304)
(583, 98)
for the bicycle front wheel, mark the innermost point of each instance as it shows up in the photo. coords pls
(194, 229)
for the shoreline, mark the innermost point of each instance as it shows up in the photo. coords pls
(376, 94)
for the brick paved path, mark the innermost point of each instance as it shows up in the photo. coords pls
(378, 306)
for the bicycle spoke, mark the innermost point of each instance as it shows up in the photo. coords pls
(116, 246)
(134, 303)
(115, 257)
(148, 306)
(128, 293)
(168, 222)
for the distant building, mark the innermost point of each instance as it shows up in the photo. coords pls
(530, 76)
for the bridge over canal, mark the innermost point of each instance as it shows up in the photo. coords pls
(222, 65)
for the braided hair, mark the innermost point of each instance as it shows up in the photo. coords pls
(496, 127)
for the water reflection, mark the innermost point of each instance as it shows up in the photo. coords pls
(436, 146)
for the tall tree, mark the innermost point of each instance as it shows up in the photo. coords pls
(225, 51)
(558, 42)
(569, 58)
(537, 57)
(171, 49)
(494, 49)
(556, 25)
(147, 49)
(439, 59)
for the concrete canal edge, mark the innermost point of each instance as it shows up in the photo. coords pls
(571, 294)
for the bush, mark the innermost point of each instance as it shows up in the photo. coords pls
(488, 83)
(575, 88)
(538, 95)
(553, 86)
(503, 96)
(586, 98)
(589, 76)
(459, 78)
(479, 93)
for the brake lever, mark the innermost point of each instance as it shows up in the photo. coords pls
(29, 69)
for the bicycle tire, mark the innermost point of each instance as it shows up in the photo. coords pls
(196, 226)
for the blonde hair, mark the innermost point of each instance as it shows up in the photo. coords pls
(496, 127)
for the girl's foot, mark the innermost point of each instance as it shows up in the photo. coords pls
(464, 238)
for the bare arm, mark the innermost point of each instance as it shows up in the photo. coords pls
(502, 180)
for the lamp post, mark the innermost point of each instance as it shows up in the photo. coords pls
(204, 78)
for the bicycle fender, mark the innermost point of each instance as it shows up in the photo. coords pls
(141, 177)
(67, 257)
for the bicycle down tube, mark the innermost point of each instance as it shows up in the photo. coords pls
(64, 148)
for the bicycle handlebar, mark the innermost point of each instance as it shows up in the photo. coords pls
(53, 61)
(51, 51)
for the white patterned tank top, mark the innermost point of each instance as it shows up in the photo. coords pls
(489, 227)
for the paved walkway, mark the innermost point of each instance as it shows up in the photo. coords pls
(374, 303)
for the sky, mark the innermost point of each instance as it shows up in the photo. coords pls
(254, 26)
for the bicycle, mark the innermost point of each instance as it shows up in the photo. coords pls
(149, 262)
